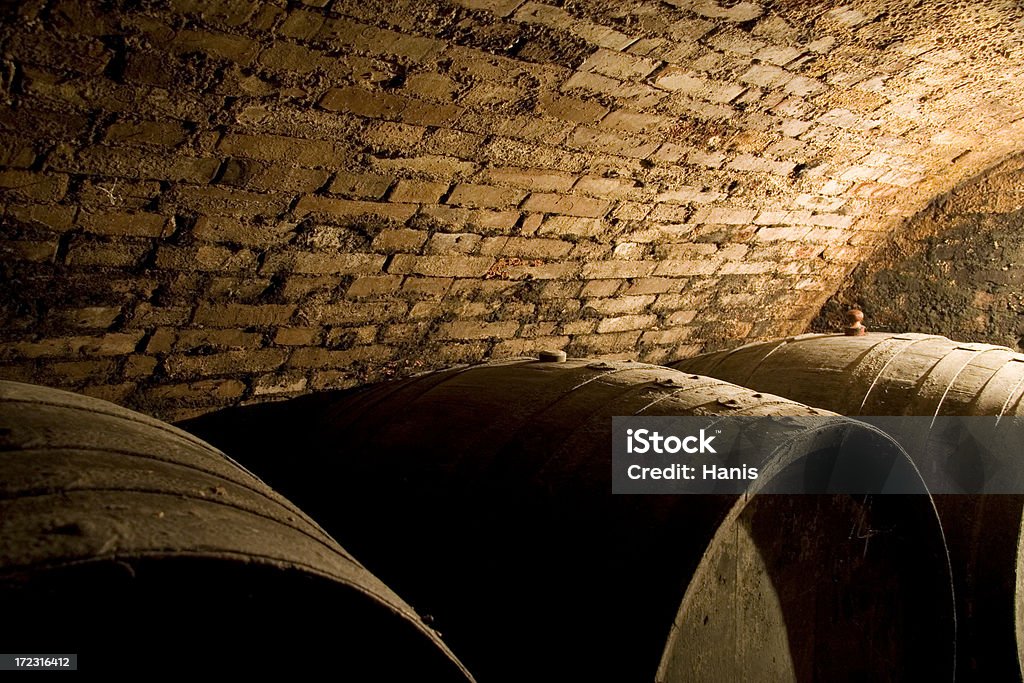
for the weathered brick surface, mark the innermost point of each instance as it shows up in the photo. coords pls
(206, 203)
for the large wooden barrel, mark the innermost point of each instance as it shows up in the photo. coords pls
(484, 494)
(141, 548)
(876, 373)
(925, 375)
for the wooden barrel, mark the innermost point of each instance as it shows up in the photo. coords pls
(876, 374)
(140, 547)
(925, 375)
(484, 494)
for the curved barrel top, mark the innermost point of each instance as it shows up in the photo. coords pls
(877, 373)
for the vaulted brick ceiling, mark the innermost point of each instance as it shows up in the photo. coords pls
(212, 201)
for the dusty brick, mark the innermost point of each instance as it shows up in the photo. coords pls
(232, 230)
(26, 250)
(620, 305)
(418, 192)
(350, 208)
(441, 266)
(484, 196)
(201, 392)
(315, 263)
(361, 185)
(530, 179)
(204, 258)
(147, 133)
(229, 362)
(586, 344)
(282, 148)
(567, 205)
(83, 253)
(31, 185)
(111, 344)
(242, 315)
(364, 102)
(53, 217)
(374, 285)
(296, 336)
(618, 269)
(626, 323)
(402, 239)
(478, 329)
(223, 339)
(446, 243)
(117, 223)
(326, 358)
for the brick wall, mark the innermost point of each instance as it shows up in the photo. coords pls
(956, 269)
(208, 202)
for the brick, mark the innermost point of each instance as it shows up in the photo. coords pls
(374, 285)
(287, 179)
(685, 268)
(402, 239)
(311, 204)
(518, 269)
(89, 317)
(231, 201)
(530, 179)
(242, 315)
(197, 393)
(301, 24)
(84, 253)
(118, 223)
(228, 229)
(725, 216)
(610, 143)
(586, 112)
(634, 122)
(314, 263)
(626, 323)
(620, 305)
(441, 266)
(446, 243)
(53, 217)
(363, 186)
(586, 344)
(514, 348)
(31, 185)
(619, 65)
(26, 250)
(128, 162)
(147, 133)
(536, 247)
(222, 339)
(430, 287)
(364, 102)
(484, 196)
(139, 366)
(111, 344)
(618, 269)
(326, 358)
(420, 113)
(229, 362)
(234, 48)
(204, 258)
(296, 336)
(283, 148)
(418, 192)
(478, 329)
(567, 205)
(355, 313)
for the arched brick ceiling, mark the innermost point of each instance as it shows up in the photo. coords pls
(214, 201)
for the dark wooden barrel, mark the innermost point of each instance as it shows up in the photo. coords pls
(923, 375)
(141, 548)
(484, 494)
